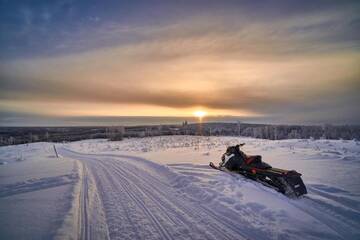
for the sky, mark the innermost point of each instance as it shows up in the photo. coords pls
(275, 61)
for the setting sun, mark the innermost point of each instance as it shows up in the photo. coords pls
(200, 114)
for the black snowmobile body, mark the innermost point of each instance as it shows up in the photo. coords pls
(288, 182)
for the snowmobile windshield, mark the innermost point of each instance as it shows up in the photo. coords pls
(233, 158)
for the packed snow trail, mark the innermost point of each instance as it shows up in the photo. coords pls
(138, 204)
(145, 200)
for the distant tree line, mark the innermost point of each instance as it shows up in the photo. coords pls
(21, 135)
(278, 132)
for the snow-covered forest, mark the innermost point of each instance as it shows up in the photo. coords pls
(20, 135)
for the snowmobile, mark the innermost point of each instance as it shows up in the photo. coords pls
(287, 182)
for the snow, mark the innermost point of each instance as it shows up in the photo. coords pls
(35, 193)
(162, 188)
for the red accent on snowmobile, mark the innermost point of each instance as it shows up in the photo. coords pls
(249, 159)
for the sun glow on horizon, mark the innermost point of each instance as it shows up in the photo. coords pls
(200, 114)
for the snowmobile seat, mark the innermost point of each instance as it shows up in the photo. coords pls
(256, 161)
(253, 159)
(261, 165)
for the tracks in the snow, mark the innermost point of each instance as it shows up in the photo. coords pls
(84, 202)
(140, 204)
(141, 199)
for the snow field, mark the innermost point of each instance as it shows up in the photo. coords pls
(162, 188)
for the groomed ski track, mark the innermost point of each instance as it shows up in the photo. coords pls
(141, 202)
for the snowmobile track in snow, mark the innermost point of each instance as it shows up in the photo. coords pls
(140, 204)
(84, 199)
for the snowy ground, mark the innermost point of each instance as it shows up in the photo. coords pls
(162, 188)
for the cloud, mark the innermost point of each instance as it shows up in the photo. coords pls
(294, 66)
(256, 86)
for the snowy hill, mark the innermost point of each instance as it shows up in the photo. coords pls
(162, 188)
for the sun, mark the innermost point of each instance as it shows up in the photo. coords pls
(199, 114)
